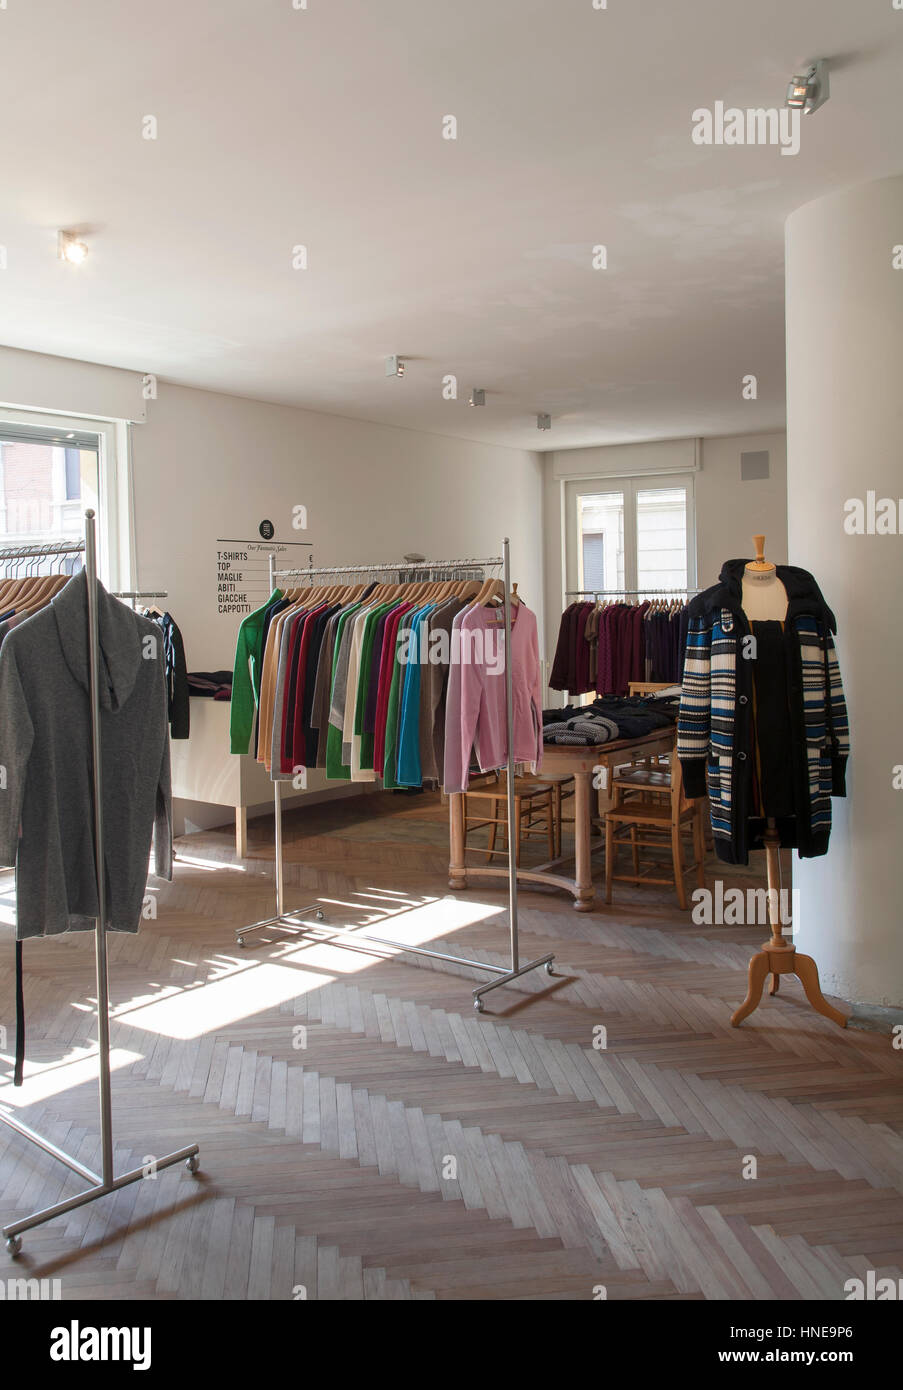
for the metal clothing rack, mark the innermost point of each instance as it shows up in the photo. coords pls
(133, 595)
(101, 1185)
(284, 921)
(396, 566)
(22, 552)
(623, 593)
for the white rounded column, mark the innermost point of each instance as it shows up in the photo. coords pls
(844, 442)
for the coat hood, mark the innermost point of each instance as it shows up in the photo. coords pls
(803, 593)
(119, 638)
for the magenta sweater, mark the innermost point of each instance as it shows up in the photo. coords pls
(475, 702)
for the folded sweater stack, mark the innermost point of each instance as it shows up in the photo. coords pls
(586, 731)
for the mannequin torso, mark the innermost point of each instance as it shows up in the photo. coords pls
(764, 596)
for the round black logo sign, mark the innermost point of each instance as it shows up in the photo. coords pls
(267, 530)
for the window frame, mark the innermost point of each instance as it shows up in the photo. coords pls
(575, 488)
(115, 510)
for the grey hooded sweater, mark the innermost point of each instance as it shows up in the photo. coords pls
(46, 780)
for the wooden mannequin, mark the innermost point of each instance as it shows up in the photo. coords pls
(764, 597)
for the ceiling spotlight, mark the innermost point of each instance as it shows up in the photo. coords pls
(811, 89)
(543, 422)
(477, 396)
(394, 366)
(70, 249)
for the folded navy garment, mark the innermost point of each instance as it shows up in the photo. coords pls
(632, 716)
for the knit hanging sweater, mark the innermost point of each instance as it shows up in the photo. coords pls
(246, 677)
(46, 750)
(716, 733)
(475, 712)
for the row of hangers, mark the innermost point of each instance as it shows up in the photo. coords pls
(490, 591)
(671, 606)
(31, 592)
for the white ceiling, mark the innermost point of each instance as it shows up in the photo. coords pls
(280, 126)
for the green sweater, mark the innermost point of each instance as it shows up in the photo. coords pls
(246, 677)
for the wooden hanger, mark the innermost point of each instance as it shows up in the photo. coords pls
(39, 590)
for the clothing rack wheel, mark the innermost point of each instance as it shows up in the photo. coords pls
(316, 912)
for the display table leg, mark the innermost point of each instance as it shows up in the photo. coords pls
(584, 894)
(457, 874)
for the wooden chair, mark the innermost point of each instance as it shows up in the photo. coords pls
(648, 820)
(563, 789)
(534, 814)
(648, 687)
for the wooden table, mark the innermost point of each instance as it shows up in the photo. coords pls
(584, 765)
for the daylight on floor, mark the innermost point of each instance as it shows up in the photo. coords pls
(450, 501)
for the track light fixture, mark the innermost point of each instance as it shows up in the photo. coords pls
(477, 396)
(69, 248)
(811, 89)
(543, 422)
(395, 366)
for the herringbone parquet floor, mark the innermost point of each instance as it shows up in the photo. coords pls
(364, 1134)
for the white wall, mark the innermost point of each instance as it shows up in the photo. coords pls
(36, 381)
(728, 512)
(845, 434)
(207, 466)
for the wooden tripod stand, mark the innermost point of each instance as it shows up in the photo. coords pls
(777, 956)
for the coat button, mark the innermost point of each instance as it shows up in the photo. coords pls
(744, 700)
(741, 757)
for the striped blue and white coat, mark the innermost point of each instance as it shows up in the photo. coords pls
(714, 729)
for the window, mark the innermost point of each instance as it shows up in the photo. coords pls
(594, 559)
(73, 474)
(601, 524)
(51, 470)
(661, 538)
(637, 534)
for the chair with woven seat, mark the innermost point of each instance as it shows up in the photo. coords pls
(642, 817)
(534, 814)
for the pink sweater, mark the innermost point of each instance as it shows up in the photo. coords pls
(475, 702)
